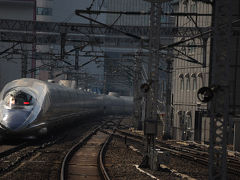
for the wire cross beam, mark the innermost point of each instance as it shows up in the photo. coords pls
(112, 12)
(83, 11)
(71, 40)
(95, 29)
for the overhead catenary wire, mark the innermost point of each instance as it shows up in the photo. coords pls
(91, 5)
(67, 19)
(6, 50)
(134, 36)
(162, 47)
(88, 9)
(193, 37)
(100, 7)
(105, 25)
(44, 65)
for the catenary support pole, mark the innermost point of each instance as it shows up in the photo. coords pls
(220, 68)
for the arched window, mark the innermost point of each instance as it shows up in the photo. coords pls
(194, 84)
(181, 81)
(200, 76)
(181, 84)
(193, 8)
(188, 84)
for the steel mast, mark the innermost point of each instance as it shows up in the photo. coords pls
(219, 106)
(150, 125)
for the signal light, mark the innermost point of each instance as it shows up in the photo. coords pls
(26, 103)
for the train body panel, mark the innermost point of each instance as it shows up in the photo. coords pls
(29, 106)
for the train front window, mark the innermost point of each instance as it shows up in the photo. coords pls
(18, 99)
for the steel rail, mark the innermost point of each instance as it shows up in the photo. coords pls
(13, 150)
(26, 155)
(101, 154)
(71, 152)
(233, 167)
(75, 148)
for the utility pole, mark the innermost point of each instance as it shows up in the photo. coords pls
(52, 64)
(33, 75)
(150, 125)
(76, 64)
(63, 42)
(137, 94)
(104, 80)
(76, 58)
(62, 55)
(34, 44)
(24, 64)
(168, 123)
(219, 106)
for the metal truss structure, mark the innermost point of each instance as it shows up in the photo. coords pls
(151, 119)
(153, 63)
(75, 34)
(71, 40)
(221, 57)
(137, 93)
(76, 28)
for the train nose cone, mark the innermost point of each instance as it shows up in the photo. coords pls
(13, 120)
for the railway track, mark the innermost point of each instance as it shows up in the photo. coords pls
(198, 156)
(42, 159)
(16, 156)
(86, 158)
(45, 163)
(7, 150)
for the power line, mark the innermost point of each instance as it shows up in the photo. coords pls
(105, 25)
(193, 37)
(6, 50)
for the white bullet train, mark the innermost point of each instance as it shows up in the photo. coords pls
(30, 107)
